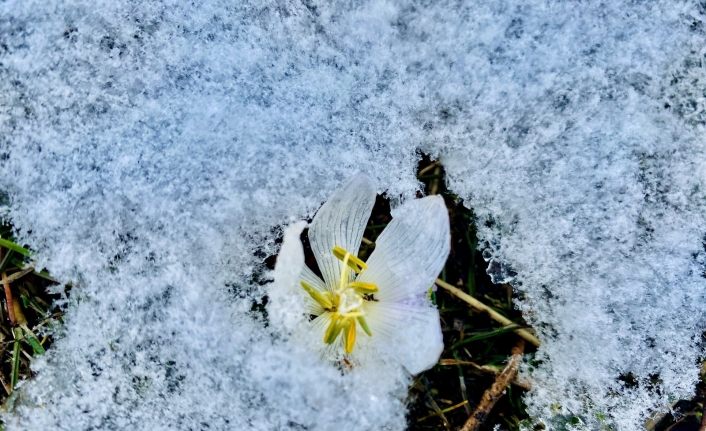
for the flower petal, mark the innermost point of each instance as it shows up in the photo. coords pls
(411, 251)
(341, 222)
(408, 332)
(313, 279)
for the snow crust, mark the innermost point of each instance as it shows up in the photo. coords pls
(151, 153)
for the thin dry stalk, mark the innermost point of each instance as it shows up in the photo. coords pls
(8, 298)
(484, 369)
(428, 168)
(493, 394)
(16, 276)
(8, 389)
(434, 189)
(438, 412)
(479, 306)
(446, 410)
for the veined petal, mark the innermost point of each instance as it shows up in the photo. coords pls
(313, 308)
(409, 332)
(308, 276)
(318, 328)
(341, 222)
(411, 251)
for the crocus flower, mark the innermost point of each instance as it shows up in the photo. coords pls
(363, 311)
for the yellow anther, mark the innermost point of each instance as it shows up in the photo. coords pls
(349, 334)
(322, 298)
(364, 324)
(334, 328)
(363, 287)
(353, 262)
(344, 303)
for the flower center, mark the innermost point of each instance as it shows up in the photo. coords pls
(349, 301)
(345, 302)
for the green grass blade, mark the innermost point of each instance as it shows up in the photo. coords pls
(33, 341)
(14, 247)
(15, 358)
(485, 335)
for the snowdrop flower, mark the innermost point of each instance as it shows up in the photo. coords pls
(366, 311)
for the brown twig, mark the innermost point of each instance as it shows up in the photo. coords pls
(493, 394)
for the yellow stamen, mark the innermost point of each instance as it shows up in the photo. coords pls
(349, 340)
(322, 298)
(334, 328)
(344, 302)
(363, 287)
(353, 262)
(364, 324)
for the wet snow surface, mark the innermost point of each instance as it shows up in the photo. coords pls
(151, 153)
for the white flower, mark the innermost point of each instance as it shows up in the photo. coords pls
(366, 311)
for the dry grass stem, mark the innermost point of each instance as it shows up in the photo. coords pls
(484, 369)
(428, 168)
(8, 299)
(16, 276)
(479, 306)
(5, 386)
(446, 410)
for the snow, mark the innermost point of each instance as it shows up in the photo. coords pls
(152, 153)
